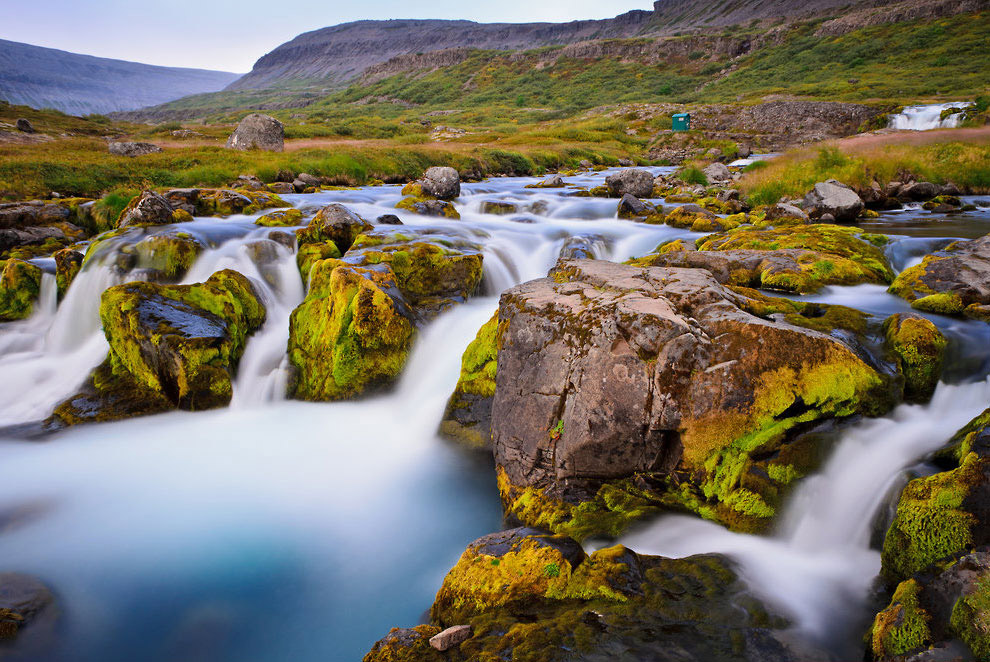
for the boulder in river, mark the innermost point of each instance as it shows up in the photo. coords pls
(20, 284)
(953, 281)
(634, 181)
(614, 379)
(835, 198)
(526, 594)
(920, 350)
(717, 172)
(941, 615)
(918, 191)
(67, 265)
(468, 417)
(171, 346)
(442, 183)
(335, 223)
(257, 131)
(150, 208)
(133, 149)
(698, 219)
(26, 605)
(552, 181)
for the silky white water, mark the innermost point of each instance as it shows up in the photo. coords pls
(928, 117)
(277, 529)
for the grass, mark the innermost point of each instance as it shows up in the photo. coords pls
(939, 156)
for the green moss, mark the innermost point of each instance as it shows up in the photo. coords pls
(428, 206)
(406, 645)
(280, 218)
(902, 627)
(970, 618)
(20, 284)
(920, 350)
(931, 522)
(349, 335)
(943, 303)
(480, 361)
(67, 265)
(311, 253)
(169, 255)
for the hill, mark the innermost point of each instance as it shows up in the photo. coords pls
(81, 84)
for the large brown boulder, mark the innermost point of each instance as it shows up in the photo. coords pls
(257, 131)
(607, 371)
(953, 281)
(637, 183)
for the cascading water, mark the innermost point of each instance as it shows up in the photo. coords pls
(926, 118)
(278, 529)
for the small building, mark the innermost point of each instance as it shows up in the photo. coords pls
(681, 122)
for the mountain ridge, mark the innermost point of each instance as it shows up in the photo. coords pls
(79, 84)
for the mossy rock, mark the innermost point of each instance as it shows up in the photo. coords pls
(281, 218)
(334, 223)
(20, 284)
(350, 335)
(468, 417)
(67, 265)
(227, 202)
(902, 627)
(110, 393)
(428, 207)
(698, 219)
(182, 341)
(920, 350)
(311, 253)
(167, 255)
(938, 516)
(406, 645)
(953, 281)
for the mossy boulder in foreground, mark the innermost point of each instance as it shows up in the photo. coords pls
(532, 596)
(622, 389)
(955, 281)
(20, 284)
(171, 346)
(941, 613)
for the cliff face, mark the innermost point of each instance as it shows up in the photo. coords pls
(82, 84)
(342, 52)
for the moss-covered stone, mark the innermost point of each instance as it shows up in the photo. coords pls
(699, 219)
(167, 255)
(182, 341)
(226, 202)
(428, 207)
(950, 282)
(20, 284)
(334, 223)
(934, 519)
(352, 333)
(67, 265)
(469, 411)
(920, 350)
(110, 393)
(406, 645)
(280, 218)
(902, 627)
(311, 253)
(970, 618)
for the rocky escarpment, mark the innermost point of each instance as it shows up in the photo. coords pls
(887, 13)
(342, 52)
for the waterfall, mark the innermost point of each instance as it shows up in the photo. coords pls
(819, 566)
(928, 117)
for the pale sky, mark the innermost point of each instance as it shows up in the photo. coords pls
(230, 35)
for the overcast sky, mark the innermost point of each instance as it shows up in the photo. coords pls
(231, 34)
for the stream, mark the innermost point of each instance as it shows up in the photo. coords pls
(277, 529)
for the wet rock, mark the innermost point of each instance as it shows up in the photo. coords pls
(280, 218)
(442, 183)
(918, 191)
(920, 350)
(133, 149)
(20, 284)
(406, 645)
(498, 208)
(24, 125)
(698, 219)
(452, 637)
(468, 416)
(944, 514)
(553, 181)
(67, 265)
(182, 341)
(164, 256)
(26, 605)
(186, 199)
(353, 331)
(607, 371)
(717, 172)
(953, 281)
(308, 180)
(150, 208)
(835, 198)
(578, 248)
(631, 208)
(934, 612)
(389, 219)
(335, 223)
(257, 131)
(426, 207)
(634, 181)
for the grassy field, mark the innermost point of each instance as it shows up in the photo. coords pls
(960, 156)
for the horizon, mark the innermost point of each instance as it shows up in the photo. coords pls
(224, 50)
